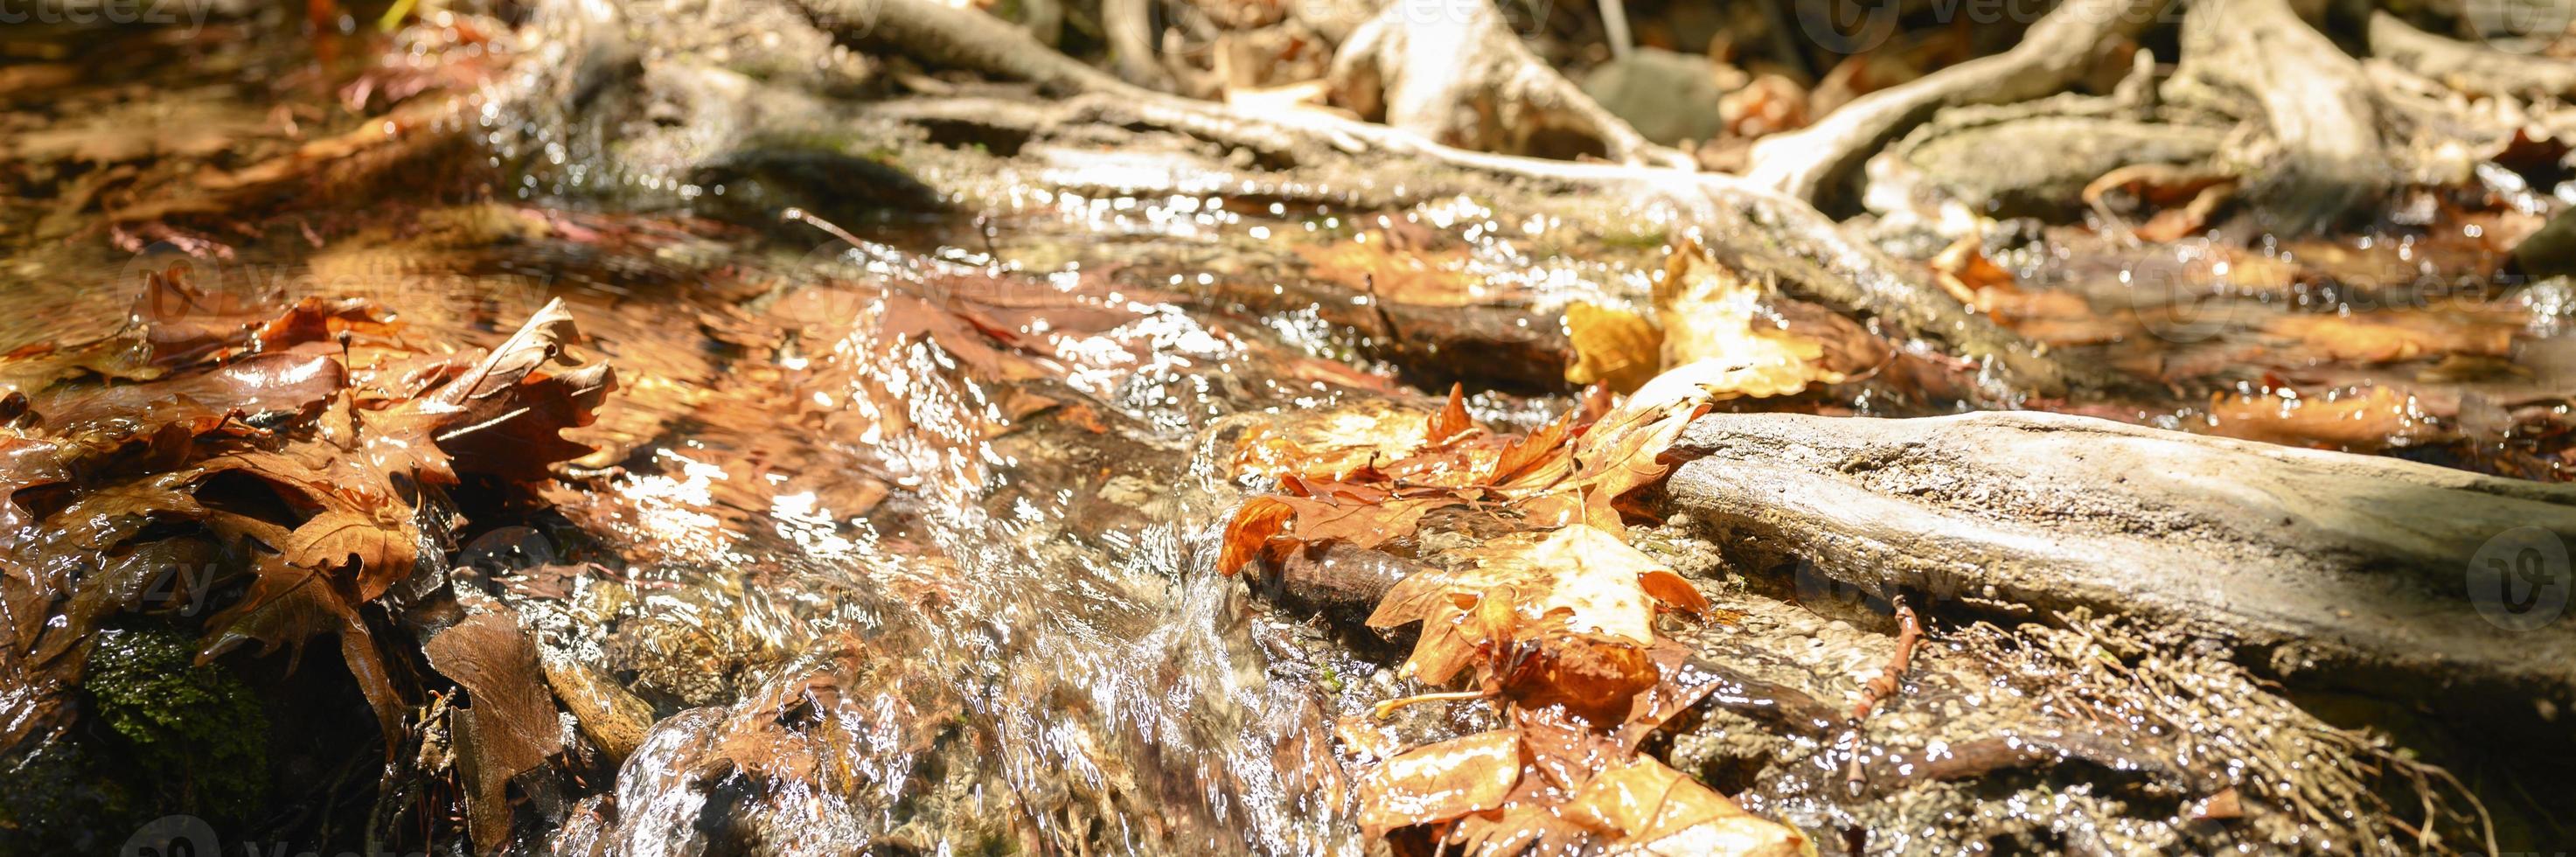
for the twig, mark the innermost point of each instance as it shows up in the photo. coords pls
(1909, 632)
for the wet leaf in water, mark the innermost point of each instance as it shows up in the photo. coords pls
(262, 384)
(1371, 264)
(1585, 578)
(2368, 419)
(383, 551)
(2390, 337)
(511, 712)
(1647, 808)
(1439, 782)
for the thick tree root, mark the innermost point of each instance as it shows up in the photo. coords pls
(2324, 156)
(1453, 73)
(2346, 570)
(2466, 67)
(1769, 233)
(2060, 48)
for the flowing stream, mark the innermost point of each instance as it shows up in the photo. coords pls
(906, 527)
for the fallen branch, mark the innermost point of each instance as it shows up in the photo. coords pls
(1909, 633)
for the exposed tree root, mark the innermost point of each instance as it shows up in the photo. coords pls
(1768, 233)
(2345, 570)
(2060, 48)
(2466, 67)
(2323, 155)
(962, 38)
(1131, 42)
(1454, 74)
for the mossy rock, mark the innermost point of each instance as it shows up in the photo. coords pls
(158, 735)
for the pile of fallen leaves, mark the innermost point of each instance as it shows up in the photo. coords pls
(281, 468)
(1551, 616)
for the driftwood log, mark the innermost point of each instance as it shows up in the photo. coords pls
(2339, 570)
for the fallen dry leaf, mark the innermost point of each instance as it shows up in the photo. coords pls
(511, 714)
(1586, 578)
(1648, 808)
(1615, 348)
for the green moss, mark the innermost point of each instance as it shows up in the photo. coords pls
(59, 802)
(195, 733)
(154, 735)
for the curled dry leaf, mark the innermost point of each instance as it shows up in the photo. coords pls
(1711, 314)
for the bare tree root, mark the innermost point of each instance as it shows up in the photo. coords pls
(962, 38)
(1453, 73)
(1754, 229)
(2322, 155)
(1131, 42)
(2468, 68)
(1757, 229)
(2060, 48)
(2327, 563)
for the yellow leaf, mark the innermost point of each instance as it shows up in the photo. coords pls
(1612, 347)
(1579, 576)
(1711, 315)
(1653, 809)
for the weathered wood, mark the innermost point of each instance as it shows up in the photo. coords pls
(2346, 570)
